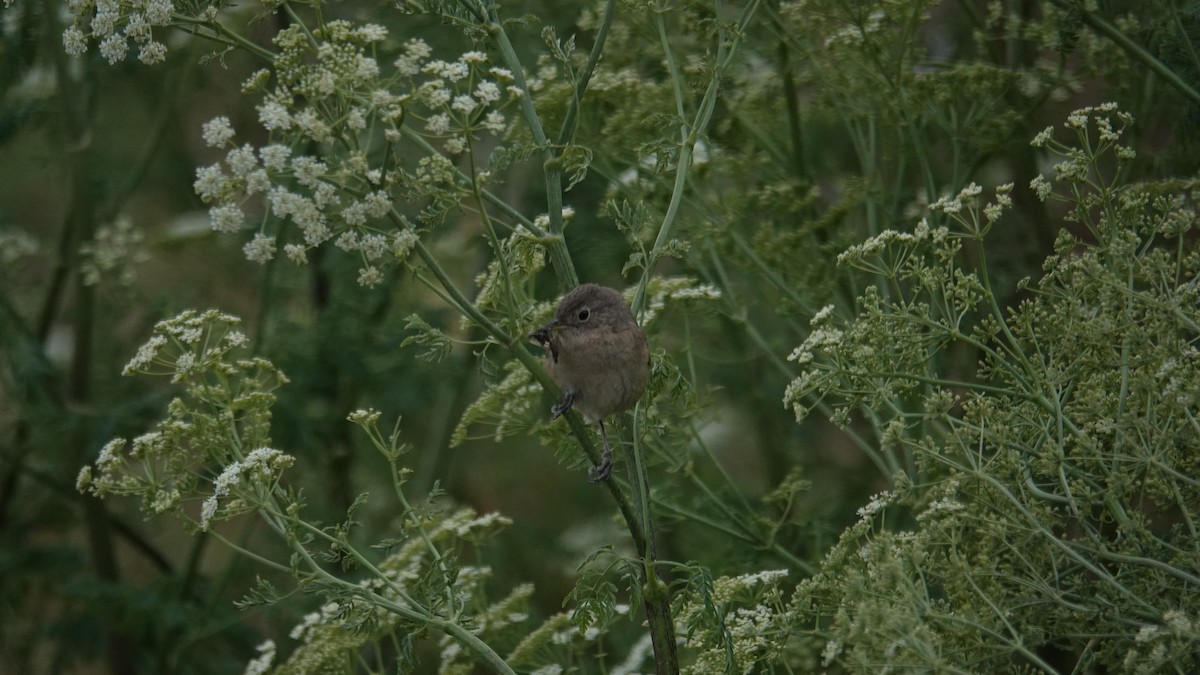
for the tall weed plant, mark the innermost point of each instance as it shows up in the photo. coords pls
(924, 370)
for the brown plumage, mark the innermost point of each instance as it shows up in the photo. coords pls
(597, 355)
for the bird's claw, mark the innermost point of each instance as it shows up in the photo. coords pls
(602, 471)
(562, 406)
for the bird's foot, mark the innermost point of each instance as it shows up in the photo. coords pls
(562, 406)
(602, 471)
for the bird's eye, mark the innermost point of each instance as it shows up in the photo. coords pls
(584, 314)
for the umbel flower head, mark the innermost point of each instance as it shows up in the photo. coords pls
(199, 452)
(328, 91)
(118, 25)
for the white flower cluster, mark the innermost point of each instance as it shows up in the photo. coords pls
(968, 196)
(113, 253)
(993, 210)
(674, 290)
(749, 606)
(185, 332)
(890, 239)
(962, 208)
(14, 245)
(1078, 163)
(335, 95)
(304, 629)
(261, 663)
(262, 466)
(457, 94)
(113, 472)
(115, 24)
(823, 336)
(729, 589)
(878, 503)
(331, 198)
(854, 35)
(365, 417)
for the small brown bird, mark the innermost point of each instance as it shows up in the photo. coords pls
(597, 355)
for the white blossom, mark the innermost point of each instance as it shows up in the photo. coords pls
(114, 48)
(145, 355)
(260, 249)
(153, 52)
(211, 182)
(370, 276)
(226, 217)
(275, 156)
(371, 32)
(261, 663)
(487, 92)
(274, 116)
(296, 253)
(217, 132)
(438, 124)
(74, 42)
(494, 122)
(464, 104)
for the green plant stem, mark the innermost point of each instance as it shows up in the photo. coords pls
(1134, 49)
(738, 314)
(791, 97)
(654, 591)
(712, 458)
(1185, 38)
(416, 610)
(510, 300)
(535, 368)
(1015, 643)
(296, 20)
(488, 195)
(411, 610)
(433, 549)
(556, 244)
(658, 608)
(568, 125)
(1065, 547)
(770, 274)
(743, 531)
(247, 553)
(689, 133)
(473, 641)
(221, 35)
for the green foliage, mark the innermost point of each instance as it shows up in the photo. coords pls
(1053, 501)
(396, 197)
(437, 345)
(224, 413)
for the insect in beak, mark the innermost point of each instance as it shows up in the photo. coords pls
(541, 338)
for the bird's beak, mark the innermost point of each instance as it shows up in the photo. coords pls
(541, 337)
